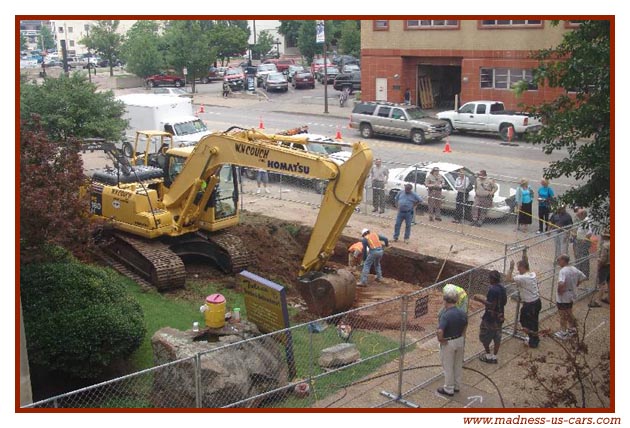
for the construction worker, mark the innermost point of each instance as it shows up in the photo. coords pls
(355, 255)
(462, 297)
(372, 241)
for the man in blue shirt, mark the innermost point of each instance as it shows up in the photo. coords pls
(451, 330)
(372, 242)
(492, 320)
(406, 202)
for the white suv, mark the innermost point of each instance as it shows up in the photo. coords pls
(416, 174)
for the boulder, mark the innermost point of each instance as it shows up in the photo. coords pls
(234, 372)
(339, 355)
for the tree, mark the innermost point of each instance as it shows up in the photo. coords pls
(141, 49)
(290, 29)
(306, 41)
(79, 319)
(579, 119)
(229, 41)
(71, 107)
(51, 208)
(188, 46)
(264, 43)
(23, 45)
(105, 40)
(46, 38)
(350, 41)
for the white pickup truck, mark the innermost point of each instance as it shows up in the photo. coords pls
(490, 116)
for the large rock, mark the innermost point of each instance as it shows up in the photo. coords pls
(339, 355)
(227, 375)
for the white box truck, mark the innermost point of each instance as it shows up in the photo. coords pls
(148, 112)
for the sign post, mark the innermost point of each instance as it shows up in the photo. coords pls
(185, 71)
(320, 37)
(266, 304)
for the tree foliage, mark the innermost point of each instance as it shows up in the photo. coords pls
(23, 45)
(46, 38)
(78, 318)
(264, 43)
(306, 41)
(105, 40)
(579, 119)
(52, 209)
(71, 107)
(188, 46)
(290, 29)
(229, 41)
(350, 39)
(141, 49)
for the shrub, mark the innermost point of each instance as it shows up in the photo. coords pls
(78, 318)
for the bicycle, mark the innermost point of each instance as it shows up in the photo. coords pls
(343, 97)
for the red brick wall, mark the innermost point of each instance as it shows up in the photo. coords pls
(389, 62)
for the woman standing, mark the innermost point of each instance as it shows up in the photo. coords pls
(545, 195)
(524, 197)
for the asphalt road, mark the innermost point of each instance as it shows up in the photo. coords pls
(507, 164)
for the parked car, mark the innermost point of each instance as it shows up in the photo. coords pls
(350, 68)
(281, 64)
(303, 79)
(330, 73)
(174, 92)
(105, 63)
(397, 120)
(490, 116)
(276, 81)
(163, 79)
(317, 64)
(348, 80)
(416, 175)
(235, 78)
(292, 70)
(214, 73)
(262, 70)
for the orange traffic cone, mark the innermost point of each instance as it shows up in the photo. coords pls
(447, 146)
(338, 135)
(260, 124)
(202, 109)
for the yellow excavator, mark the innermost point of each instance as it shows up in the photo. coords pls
(186, 205)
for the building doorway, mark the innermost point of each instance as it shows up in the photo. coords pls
(381, 89)
(437, 85)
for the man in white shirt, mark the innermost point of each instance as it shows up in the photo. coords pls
(529, 294)
(569, 278)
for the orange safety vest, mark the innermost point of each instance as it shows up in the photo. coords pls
(357, 246)
(373, 240)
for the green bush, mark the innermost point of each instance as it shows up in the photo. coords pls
(78, 318)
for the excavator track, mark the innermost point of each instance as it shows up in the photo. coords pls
(153, 261)
(225, 249)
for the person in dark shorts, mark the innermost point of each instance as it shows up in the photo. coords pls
(492, 319)
(529, 295)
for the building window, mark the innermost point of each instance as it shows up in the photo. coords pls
(380, 25)
(69, 29)
(511, 23)
(71, 43)
(506, 78)
(431, 24)
(572, 24)
(60, 29)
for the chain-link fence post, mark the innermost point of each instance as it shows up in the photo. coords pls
(311, 364)
(198, 381)
(505, 253)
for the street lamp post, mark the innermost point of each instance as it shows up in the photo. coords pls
(277, 43)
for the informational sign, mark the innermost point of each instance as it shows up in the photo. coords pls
(185, 71)
(422, 306)
(251, 83)
(320, 37)
(266, 305)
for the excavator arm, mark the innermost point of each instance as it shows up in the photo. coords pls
(256, 150)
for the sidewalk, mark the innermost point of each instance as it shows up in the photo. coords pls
(258, 101)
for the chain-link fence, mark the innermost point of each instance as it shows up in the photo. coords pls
(375, 354)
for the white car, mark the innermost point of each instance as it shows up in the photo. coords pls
(416, 174)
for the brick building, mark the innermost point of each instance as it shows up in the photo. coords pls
(437, 59)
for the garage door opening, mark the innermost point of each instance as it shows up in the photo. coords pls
(437, 86)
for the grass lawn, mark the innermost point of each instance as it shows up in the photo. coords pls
(162, 310)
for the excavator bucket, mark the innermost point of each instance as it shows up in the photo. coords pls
(328, 293)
